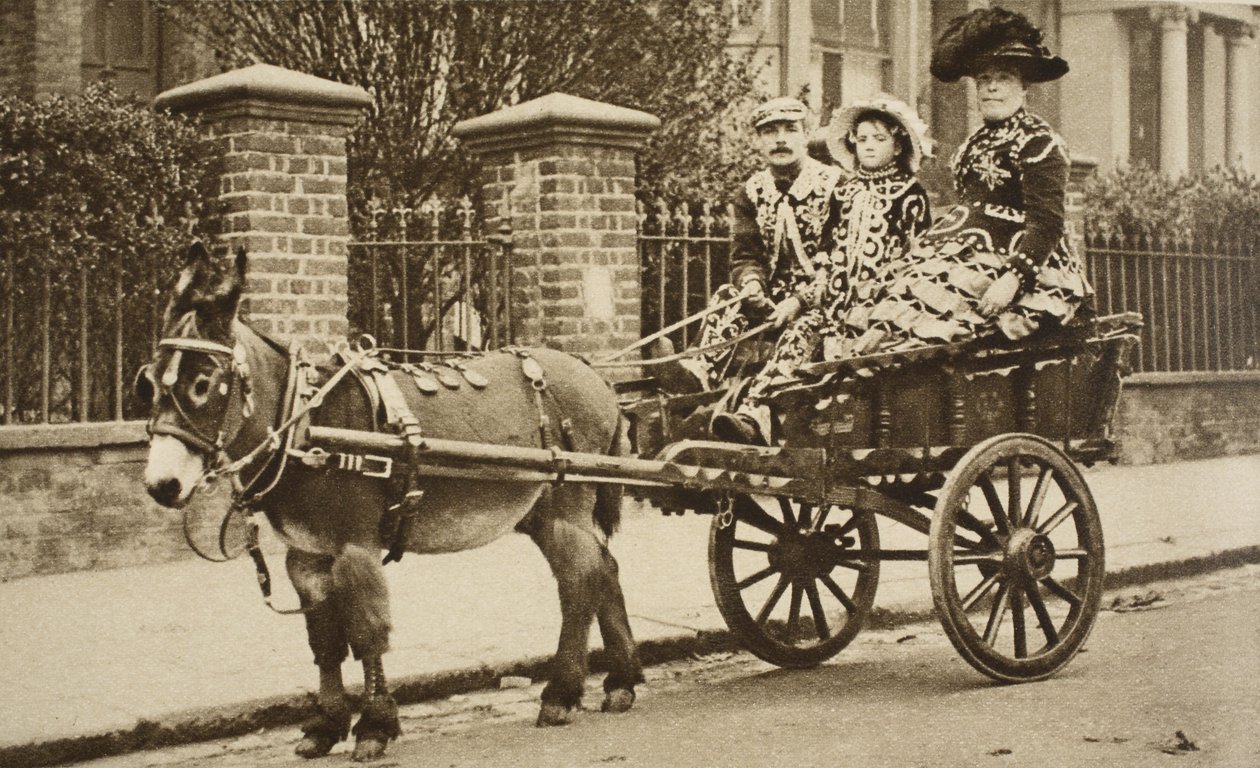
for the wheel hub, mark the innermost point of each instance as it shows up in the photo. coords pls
(1029, 555)
(802, 557)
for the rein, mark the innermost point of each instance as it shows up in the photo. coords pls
(697, 351)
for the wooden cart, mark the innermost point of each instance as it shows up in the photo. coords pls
(975, 446)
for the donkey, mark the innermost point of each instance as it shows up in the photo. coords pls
(217, 387)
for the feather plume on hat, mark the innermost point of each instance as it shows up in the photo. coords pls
(987, 36)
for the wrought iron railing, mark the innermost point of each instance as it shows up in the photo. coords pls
(427, 278)
(1198, 298)
(72, 335)
(684, 254)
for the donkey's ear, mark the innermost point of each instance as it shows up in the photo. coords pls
(197, 254)
(226, 295)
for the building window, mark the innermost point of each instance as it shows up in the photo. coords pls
(854, 38)
(120, 45)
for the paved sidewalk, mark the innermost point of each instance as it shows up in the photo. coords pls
(91, 661)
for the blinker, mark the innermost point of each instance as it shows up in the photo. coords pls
(145, 387)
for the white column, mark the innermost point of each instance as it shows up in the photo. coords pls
(1239, 58)
(1174, 91)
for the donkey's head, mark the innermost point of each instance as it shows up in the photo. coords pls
(197, 384)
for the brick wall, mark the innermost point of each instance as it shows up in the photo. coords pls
(561, 170)
(1175, 417)
(282, 192)
(78, 503)
(278, 139)
(574, 229)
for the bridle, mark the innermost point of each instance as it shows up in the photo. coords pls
(184, 427)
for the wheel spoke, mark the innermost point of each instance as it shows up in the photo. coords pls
(1061, 591)
(773, 600)
(1043, 618)
(789, 517)
(821, 518)
(1017, 624)
(840, 594)
(815, 605)
(843, 558)
(978, 591)
(967, 557)
(995, 615)
(756, 546)
(1072, 554)
(743, 584)
(1063, 513)
(976, 526)
(1014, 487)
(995, 504)
(848, 526)
(804, 518)
(794, 614)
(1038, 498)
(752, 513)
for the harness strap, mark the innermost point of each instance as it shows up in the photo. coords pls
(398, 414)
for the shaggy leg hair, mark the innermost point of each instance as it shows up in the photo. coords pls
(362, 600)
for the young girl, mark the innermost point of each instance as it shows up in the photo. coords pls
(873, 219)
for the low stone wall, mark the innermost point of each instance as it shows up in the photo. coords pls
(1166, 417)
(72, 499)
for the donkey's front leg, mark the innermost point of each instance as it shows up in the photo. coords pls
(363, 598)
(312, 579)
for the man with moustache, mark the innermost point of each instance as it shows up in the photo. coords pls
(778, 224)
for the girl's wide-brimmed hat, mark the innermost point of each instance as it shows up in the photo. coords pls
(988, 36)
(892, 110)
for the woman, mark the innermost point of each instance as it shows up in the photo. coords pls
(997, 262)
(873, 218)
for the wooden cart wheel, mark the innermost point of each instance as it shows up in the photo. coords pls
(1016, 558)
(790, 578)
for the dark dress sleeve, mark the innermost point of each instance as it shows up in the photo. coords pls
(1043, 176)
(748, 252)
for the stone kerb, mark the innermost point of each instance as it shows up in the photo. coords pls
(561, 171)
(277, 143)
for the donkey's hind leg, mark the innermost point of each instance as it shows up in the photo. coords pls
(624, 671)
(312, 580)
(363, 601)
(586, 574)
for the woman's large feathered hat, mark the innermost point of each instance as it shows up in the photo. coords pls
(988, 36)
(891, 109)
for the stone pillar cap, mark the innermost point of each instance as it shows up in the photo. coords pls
(266, 90)
(557, 118)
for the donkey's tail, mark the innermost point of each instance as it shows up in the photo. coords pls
(608, 495)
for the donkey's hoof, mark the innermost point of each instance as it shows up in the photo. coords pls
(367, 749)
(314, 745)
(554, 714)
(618, 700)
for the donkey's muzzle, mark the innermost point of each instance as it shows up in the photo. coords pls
(166, 492)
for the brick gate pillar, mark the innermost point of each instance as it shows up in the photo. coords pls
(560, 170)
(277, 142)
